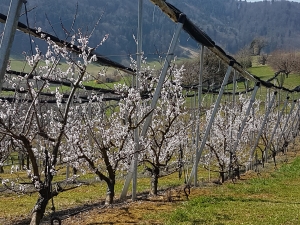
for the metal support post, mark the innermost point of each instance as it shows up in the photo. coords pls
(296, 126)
(286, 123)
(295, 119)
(193, 103)
(137, 86)
(234, 88)
(262, 127)
(8, 36)
(275, 128)
(207, 130)
(287, 119)
(239, 135)
(199, 111)
(156, 95)
(231, 122)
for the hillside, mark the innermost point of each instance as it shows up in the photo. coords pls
(231, 24)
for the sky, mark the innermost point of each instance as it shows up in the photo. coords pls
(262, 0)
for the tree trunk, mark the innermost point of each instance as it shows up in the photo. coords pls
(40, 207)
(274, 158)
(36, 218)
(154, 181)
(110, 194)
(1, 169)
(222, 176)
(27, 162)
(263, 152)
(74, 171)
(110, 182)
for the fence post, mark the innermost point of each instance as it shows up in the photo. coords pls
(8, 35)
(207, 130)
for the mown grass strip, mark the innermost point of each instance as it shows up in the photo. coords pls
(262, 200)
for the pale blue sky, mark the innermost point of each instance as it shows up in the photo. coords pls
(262, 0)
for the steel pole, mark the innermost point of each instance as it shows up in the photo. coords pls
(295, 121)
(8, 35)
(156, 95)
(207, 130)
(262, 126)
(296, 127)
(286, 122)
(275, 128)
(199, 112)
(239, 135)
(287, 119)
(230, 118)
(137, 86)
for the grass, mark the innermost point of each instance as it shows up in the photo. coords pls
(264, 72)
(268, 198)
(93, 69)
(230, 210)
(265, 199)
(19, 64)
(20, 206)
(262, 200)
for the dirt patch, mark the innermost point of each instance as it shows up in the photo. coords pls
(131, 212)
(137, 212)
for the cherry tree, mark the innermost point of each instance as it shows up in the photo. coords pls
(103, 138)
(167, 132)
(4, 151)
(223, 135)
(29, 124)
(265, 140)
(276, 134)
(286, 131)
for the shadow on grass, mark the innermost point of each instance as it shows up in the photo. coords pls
(113, 223)
(63, 214)
(67, 213)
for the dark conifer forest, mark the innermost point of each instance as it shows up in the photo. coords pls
(231, 24)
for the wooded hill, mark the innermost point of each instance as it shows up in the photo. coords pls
(231, 24)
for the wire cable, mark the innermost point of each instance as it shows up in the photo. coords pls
(30, 39)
